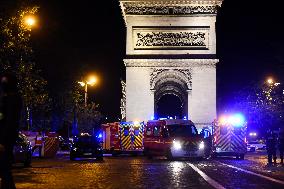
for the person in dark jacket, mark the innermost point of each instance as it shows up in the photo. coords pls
(10, 110)
(281, 144)
(271, 141)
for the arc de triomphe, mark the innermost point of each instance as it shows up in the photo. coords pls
(171, 49)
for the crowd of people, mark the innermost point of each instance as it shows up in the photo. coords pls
(274, 141)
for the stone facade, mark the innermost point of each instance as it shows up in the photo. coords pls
(171, 49)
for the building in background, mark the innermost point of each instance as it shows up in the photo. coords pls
(171, 50)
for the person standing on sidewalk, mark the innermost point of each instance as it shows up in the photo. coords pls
(281, 144)
(10, 111)
(271, 146)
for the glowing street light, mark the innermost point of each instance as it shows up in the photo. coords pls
(270, 81)
(92, 80)
(29, 21)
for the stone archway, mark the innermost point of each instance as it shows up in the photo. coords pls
(169, 105)
(175, 82)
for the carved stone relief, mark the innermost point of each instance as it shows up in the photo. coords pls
(135, 9)
(123, 100)
(170, 38)
(159, 75)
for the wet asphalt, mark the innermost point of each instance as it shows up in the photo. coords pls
(125, 172)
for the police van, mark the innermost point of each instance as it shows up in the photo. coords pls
(172, 138)
(229, 134)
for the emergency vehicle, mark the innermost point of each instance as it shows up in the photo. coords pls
(173, 138)
(229, 134)
(120, 137)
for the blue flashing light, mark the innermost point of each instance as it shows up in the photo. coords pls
(236, 120)
(163, 118)
(100, 135)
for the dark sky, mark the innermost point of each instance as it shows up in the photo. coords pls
(82, 35)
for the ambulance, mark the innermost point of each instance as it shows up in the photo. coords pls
(173, 138)
(229, 136)
(123, 137)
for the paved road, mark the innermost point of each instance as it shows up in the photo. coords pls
(140, 172)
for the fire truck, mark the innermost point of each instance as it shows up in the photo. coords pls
(121, 137)
(229, 133)
(173, 139)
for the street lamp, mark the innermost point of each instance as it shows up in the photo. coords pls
(28, 22)
(92, 80)
(270, 81)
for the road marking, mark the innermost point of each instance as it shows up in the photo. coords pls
(256, 174)
(206, 177)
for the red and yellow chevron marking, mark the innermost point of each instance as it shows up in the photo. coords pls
(125, 140)
(138, 139)
(51, 145)
(132, 141)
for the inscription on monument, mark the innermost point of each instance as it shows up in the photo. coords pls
(133, 9)
(171, 39)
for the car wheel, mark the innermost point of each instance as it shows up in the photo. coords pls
(214, 155)
(169, 155)
(72, 157)
(147, 153)
(28, 161)
(99, 158)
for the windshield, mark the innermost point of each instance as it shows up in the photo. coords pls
(182, 130)
(85, 141)
(254, 143)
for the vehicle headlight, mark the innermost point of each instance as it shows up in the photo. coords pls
(201, 145)
(176, 145)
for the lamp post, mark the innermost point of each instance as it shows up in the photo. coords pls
(30, 21)
(91, 81)
(270, 81)
(27, 23)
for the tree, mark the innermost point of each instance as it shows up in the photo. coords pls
(262, 104)
(85, 118)
(71, 110)
(16, 56)
(89, 118)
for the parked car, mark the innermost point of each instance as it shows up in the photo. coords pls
(23, 150)
(250, 148)
(257, 145)
(64, 143)
(86, 145)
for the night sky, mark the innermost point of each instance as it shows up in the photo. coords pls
(74, 36)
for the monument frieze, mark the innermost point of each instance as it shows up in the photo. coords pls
(133, 9)
(171, 39)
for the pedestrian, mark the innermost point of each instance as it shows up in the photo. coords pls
(281, 144)
(10, 110)
(271, 146)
